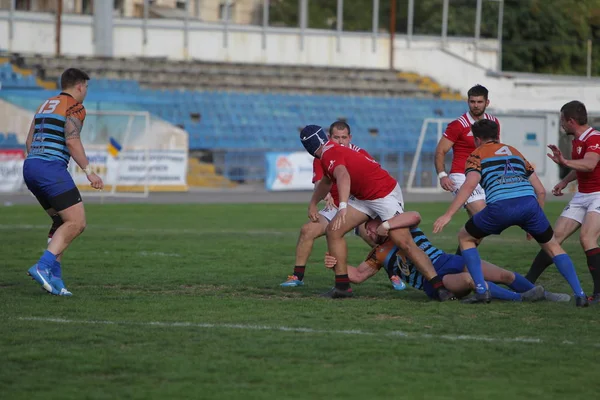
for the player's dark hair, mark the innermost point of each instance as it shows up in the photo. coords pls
(72, 77)
(478, 90)
(575, 110)
(485, 129)
(340, 126)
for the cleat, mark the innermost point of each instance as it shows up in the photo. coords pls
(59, 287)
(397, 283)
(594, 299)
(557, 297)
(444, 294)
(477, 298)
(535, 294)
(292, 281)
(41, 276)
(336, 293)
(581, 302)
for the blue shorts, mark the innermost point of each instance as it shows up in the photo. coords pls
(446, 264)
(50, 183)
(524, 212)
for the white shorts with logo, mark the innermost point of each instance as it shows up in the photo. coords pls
(385, 208)
(328, 213)
(458, 180)
(581, 204)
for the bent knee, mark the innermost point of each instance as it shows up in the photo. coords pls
(312, 230)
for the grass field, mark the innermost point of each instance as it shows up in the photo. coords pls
(183, 301)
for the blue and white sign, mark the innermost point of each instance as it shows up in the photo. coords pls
(289, 171)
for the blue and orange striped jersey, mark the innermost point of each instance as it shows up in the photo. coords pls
(504, 171)
(49, 134)
(390, 257)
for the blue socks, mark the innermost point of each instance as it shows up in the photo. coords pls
(47, 260)
(56, 270)
(520, 284)
(567, 270)
(500, 293)
(473, 261)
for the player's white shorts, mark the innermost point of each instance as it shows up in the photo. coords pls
(581, 204)
(328, 213)
(458, 180)
(385, 208)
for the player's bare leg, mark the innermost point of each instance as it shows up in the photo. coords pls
(73, 225)
(308, 233)
(566, 268)
(588, 236)
(563, 229)
(403, 239)
(338, 249)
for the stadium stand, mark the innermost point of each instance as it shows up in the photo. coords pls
(237, 112)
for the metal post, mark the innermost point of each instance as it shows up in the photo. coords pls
(340, 23)
(392, 32)
(145, 24)
(409, 25)
(445, 23)
(589, 58)
(477, 27)
(500, 33)
(11, 23)
(59, 9)
(303, 21)
(375, 24)
(186, 31)
(226, 24)
(265, 22)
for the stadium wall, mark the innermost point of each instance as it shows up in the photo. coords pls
(35, 33)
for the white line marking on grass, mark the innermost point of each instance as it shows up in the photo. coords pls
(351, 332)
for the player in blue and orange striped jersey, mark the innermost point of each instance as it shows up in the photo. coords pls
(53, 138)
(515, 197)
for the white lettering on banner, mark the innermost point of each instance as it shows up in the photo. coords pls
(11, 170)
(131, 168)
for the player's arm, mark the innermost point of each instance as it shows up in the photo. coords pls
(538, 187)
(571, 176)
(342, 178)
(356, 274)
(586, 164)
(407, 219)
(73, 127)
(443, 147)
(473, 178)
(30, 136)
(322, 187)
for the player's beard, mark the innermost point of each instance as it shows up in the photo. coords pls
(478, 113)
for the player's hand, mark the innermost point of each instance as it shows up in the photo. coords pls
(381, 231)
(330, 261)
(556, 155)
(313, 213)
(557, 190)
(447, 184)
(329, 203)
(95, 181)
(339, 220)
(440, 223)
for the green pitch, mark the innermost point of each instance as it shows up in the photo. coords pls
(183, 301)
